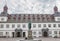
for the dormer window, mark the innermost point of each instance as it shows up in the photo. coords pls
(19, 15)
(15, 15)
(43, 18)
(33, 17)
(29, 16)
(38, 18)
(19, 18)
(24, 17)
(2, 19)
(14, 18)
(37, 15)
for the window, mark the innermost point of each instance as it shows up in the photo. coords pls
(39, 32)
(13, 25)
(50, 32)
(2, 18)
(2, 25)
(59, 32)
(54, 25)
(44, 25)
(55, 32)
(7, 25)
(23, 25)
(49, 25)
(34, 25)
(58, 19)
(1, 33)
(34, 33)
(34, 36)
(58, 25)
(39, 25)
(7, 33)
(18, 25)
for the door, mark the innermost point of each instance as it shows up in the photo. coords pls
(18, 34)
(12, 34)
(23, 34)
(45, 33)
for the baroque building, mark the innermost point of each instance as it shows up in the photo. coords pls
(16, 25)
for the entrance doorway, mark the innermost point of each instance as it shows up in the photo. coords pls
(23, 34)
(45, 34)
(12, 34)
(18, 34)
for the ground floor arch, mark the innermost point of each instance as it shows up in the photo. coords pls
(45, 32)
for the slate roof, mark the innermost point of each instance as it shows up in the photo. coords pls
(57, 14)
(36, 18)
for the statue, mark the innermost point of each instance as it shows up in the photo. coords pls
(29, 25)
(29, 31)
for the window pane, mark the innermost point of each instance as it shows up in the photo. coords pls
(39, 32)
(59, 32)
(54, 25)
(18, 25)
(55, 32)
(24, 26)
(2, 19)
(58, 25)
(44, 25)
(50, 32)
(1, 33)
(49, 25)
(39, 25)
(34, 25)
(7, 25)
(13, 25)
(2, 25)
(34, 33)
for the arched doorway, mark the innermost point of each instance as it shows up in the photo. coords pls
(45, 32)
(18, 32)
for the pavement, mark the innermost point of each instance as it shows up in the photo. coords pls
(43, 39)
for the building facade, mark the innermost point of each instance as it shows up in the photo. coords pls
(42, 25)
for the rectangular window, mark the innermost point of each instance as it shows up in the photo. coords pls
(55, 32)
(58, 25)
(50, 32)
(7, 25)
(13, 25)
(2, 25)
(44, 25)
(49, 25)
(24, 25)
(34, 25)
(34, 33)
(34, 36)
(54, 25)
(39, 32)
(59, 32)
(2, 19)
(7, 33)
(39, 25)
(18, 25)
(1, 33)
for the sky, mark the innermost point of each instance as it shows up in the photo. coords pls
(30, 6)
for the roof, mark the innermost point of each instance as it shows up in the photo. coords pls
(25, 18)
(57, 14)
